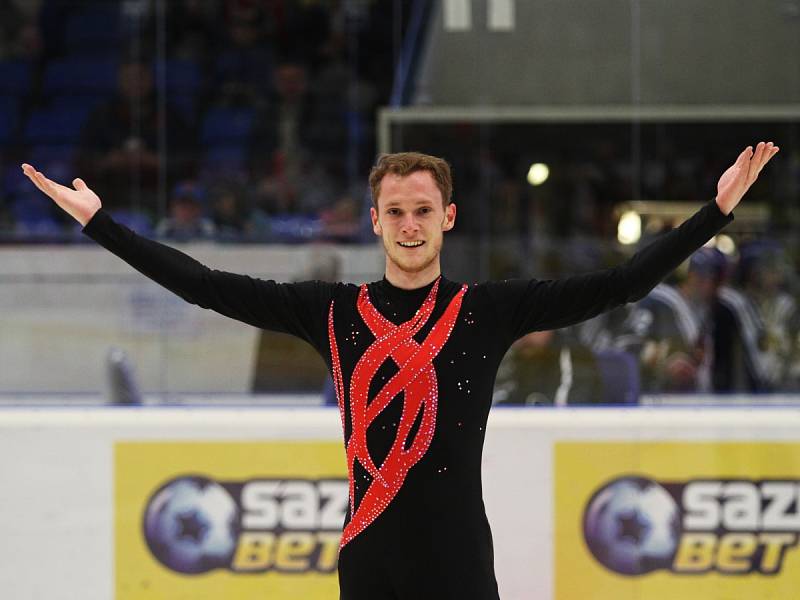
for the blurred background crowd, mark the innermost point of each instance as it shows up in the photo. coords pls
(715, 327)
(255, 121)
(213, 119)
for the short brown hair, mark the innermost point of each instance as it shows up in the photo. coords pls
(405, 163)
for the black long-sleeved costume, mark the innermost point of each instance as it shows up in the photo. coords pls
(414, 371)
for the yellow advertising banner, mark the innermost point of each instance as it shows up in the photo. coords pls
(659, 521)
(244, 520)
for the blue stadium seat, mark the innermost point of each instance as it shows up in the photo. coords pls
(58, 124)
(181, 81)
(9, 113)
(15, 77)
(56, 160)
(51, 153)
(138, 222)
(253, 69)
(93, 31)
(80, 75)
(58, 167)
(42, 230)
(33, 213)
(225, 158)
(184, 104)
(85, 101)
(178, 76)
(14, 181)
(227, 125)
(294, 228)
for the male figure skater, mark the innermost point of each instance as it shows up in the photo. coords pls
(413, 359)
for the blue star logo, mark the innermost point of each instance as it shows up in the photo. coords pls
(631, 527)
(191, 526)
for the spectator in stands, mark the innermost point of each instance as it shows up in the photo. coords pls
(549, 367)
(765, 317)
(53, 14)
(307, 193)
(671, 330)
(293, 145)
(606, 331)
(281, 136)
(190, 28)
(302, 27)
(19, 33)
(228, 211)
(121, 142)
(243, 65)
(186, 220)
(703, 336)
(340, 220)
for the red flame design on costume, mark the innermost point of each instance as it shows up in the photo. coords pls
(416, 377)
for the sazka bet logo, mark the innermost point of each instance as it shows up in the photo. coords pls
(193, 525)
(633, 525)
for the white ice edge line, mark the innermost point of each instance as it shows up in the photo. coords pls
(649, 418)
(325, 417)
(170, 417)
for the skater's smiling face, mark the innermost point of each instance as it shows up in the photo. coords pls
(411, 217)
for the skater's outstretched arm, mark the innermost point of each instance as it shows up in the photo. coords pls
(296, 308)
(531, 305)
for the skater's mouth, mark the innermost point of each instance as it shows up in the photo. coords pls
(412, 244)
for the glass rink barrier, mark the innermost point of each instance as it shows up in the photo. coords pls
(79, 321)
(151, 449)
(239, 502)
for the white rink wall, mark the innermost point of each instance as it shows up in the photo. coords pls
(58, 505)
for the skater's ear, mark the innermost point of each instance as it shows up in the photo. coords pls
(376, 226)
(449, 217)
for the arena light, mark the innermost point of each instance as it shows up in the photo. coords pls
(538, 173)
(629, 229)
(725, 244)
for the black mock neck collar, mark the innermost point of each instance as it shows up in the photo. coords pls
(386, 286)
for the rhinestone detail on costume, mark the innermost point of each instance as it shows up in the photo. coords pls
(416, 378)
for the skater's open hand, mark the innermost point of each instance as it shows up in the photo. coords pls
(81, 203)
(740, 175)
